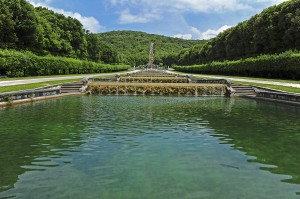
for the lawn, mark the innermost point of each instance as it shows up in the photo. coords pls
(4, 89)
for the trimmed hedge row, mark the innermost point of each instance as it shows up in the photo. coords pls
(22, 64)
(155, 89)
(285, 65)
(154, 79)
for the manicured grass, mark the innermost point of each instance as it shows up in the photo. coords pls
(4, 89)
(253, 78)
(276, 87)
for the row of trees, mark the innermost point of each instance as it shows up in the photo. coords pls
(22, 64)
(275, 30)
(285, 65)
(44, 32)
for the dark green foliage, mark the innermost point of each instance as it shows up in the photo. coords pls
(133, 47)
(21, 64)
(8, 37)
(61, 36)
(44, 32)
(275, 30)
(100, 51)
(285, 65)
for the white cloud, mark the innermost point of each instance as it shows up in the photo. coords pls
(272, 2)
(89, 23)
(197, 34)
(183, 5)
(148, 11)
(183, 36)
(127, 17)
(210, 33)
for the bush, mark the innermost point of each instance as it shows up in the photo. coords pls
(22, 64)
(285, 65)
(154, 79)
(97, 88)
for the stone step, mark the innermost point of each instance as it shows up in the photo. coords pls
(243, 90)
(241, 87)
(71, 87)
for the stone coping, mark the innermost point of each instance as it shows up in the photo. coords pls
(28, 100)
(277, 96)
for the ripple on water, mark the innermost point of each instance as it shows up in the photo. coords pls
(149, 147)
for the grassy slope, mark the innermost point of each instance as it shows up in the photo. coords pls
(4, 89)
(280, 88)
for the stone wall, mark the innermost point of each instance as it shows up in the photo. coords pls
(13, 96)
(284, 97)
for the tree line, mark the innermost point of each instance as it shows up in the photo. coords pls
(274, 30)
(22, 64)
(283, 66)
(44, 32)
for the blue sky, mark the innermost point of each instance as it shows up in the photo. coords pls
(188, 19)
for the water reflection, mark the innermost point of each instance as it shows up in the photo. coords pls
(32, 138)
(180, 147)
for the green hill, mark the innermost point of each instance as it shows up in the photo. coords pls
(133, 47)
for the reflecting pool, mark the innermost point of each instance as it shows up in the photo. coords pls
(127, 147)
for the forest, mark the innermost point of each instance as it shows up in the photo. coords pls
(134, 46)
(254, 47)
(44, 32)
(275, 30)
(267, 45)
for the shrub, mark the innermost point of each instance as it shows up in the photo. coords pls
(22, 64)
(285, 65)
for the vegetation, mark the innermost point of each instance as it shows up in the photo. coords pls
(285, 65)
(275, 30)
(270, 86)
(154, 79)
(44, 32)
(38, 41)
(22, 64)
(133, 47)
(156, 89)
(4, 89)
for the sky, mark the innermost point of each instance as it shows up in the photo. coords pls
(187, 19)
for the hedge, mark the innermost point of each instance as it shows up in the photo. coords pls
(285, 65)
(22, 64)
(156, 89)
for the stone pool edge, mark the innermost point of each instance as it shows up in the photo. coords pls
(25, 101)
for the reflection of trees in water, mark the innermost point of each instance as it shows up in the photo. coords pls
(38, 133)
(268, 131)
(32, 135)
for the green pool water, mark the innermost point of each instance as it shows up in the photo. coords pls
(129, 147)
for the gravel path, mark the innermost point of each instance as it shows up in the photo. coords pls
(38, 80)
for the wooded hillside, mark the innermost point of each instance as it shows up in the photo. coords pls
(133, 46)
(275, 30)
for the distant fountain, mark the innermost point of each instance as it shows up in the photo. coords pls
(150, 64)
